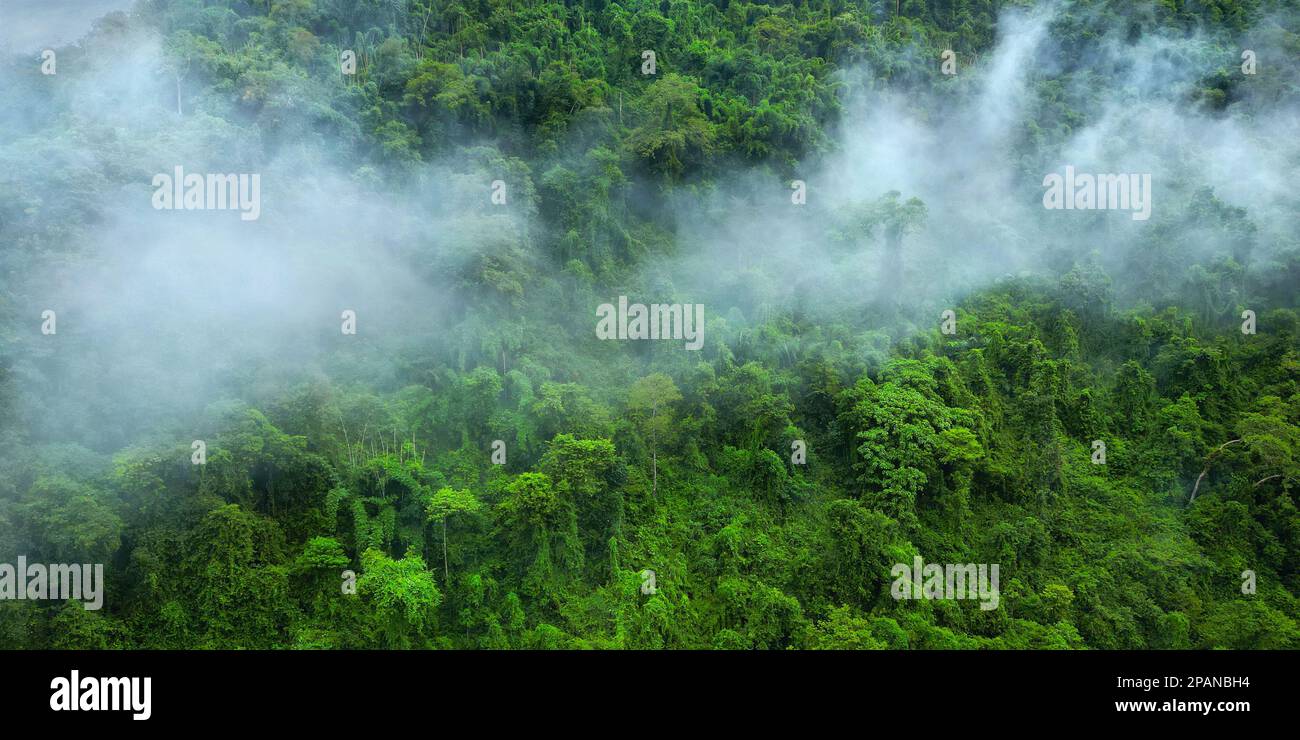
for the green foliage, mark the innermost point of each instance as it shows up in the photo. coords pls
(970, 448)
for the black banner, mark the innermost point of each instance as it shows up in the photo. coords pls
(932, 689)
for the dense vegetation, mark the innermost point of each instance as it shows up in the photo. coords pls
(627, 456)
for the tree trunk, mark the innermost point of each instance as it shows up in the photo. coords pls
(654, 449)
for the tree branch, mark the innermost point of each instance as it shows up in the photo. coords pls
(1208, 460)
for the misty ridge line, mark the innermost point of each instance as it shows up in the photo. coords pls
(813, 261)
(974, 190)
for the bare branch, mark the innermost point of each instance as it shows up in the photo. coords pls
(1208, 460)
